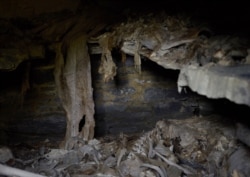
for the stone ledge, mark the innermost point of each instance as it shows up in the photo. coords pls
(231, 82)
(213, 81)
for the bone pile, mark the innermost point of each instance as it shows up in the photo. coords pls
(194, 147)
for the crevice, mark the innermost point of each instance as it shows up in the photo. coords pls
(81, 123)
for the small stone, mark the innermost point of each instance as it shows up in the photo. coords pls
(5, 154)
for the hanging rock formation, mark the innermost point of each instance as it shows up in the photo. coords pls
(73, 78)
(212, 65)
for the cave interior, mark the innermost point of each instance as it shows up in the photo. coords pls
(79, 75)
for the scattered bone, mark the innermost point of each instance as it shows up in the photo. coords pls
(156, 168)
(10, 171)
(173, 164)
(163, 151)
(91, 152)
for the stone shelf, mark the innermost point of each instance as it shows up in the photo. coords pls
(231, 82)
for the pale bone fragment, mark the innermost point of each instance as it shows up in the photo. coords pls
(110, 162)
(150, 151)
(122, 152)
(72, 142)
(216, 157)
(158, 169)
(187, 138)
(50, 172)
(130, 167)
(222, 144)
(172, 163)
(148, 173)
(91, 151)
(107, 67)
(10, 171)
(63, 167)
(175, 43)
(56, 154)
(219, 54)
(169, 45)
(137, 57)
(162, 129)
(163, 150)
(236, 174)
(5, 154)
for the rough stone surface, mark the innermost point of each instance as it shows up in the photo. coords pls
(51, 127)
(37, 114)
(121, 105)
(133, 102)
(74, 86)
(240, 161)
(231, 82)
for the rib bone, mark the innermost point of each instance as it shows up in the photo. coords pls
(10, 171)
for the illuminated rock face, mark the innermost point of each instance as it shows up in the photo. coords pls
(133, 102)
(130, 103)
(232, 83)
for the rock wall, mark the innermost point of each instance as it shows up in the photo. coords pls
(36, 114)
(133, 102)
(130, 103)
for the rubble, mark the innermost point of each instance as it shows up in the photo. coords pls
(195, 146)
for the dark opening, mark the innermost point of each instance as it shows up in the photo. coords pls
(81, 123)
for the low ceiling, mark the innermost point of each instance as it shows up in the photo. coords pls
(29, 28)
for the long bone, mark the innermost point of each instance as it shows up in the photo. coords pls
(10, 171)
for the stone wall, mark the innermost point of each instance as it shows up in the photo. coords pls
(36, 114)
(133, 102)
(130, 103)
